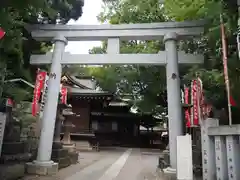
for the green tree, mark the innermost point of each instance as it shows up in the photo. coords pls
(212, 71)
(153, 78)
(17, 45)
(145, 83)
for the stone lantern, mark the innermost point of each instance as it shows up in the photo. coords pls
(67, 125)
(58, 125)
(59, 154)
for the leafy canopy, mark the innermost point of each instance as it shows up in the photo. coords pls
(149, 80)
(17, 45)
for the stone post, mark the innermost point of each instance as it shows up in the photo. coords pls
(174, 96)
(67, 144)
(59, 154)
(67, 127)
(208, 149)
(57, 130)
(43, 164)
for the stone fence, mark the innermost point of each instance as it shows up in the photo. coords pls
(220, 150)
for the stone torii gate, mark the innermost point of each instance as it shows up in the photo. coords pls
(170, 32)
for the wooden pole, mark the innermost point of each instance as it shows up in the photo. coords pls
(225, 69)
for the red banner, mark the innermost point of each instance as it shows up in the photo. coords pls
(40, 79)
(204, 108)
(195, 102)
(64, 95)
(186, 101)
(200, 110)
(200, 100)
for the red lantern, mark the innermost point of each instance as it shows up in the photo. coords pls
(2, 33)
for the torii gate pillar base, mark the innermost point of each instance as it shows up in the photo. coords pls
(168, 174)
(42, 169)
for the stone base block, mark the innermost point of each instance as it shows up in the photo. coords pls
(12, 171)
(63, 162)
(15, 158)
(161, 163)
(13, 148)
(40, 169)
(57, 145)
(59, 153)
(166, 156)
(169, 174)
(74, 157)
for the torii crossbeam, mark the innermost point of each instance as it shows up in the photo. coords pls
(116, 59)
(153, 31)
(170, 32)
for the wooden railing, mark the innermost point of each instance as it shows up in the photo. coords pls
(220, 151)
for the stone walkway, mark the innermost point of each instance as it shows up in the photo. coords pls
(110, 164)
(85, 159)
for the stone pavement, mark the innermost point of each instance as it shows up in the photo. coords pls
(111, 164)
(85, 159)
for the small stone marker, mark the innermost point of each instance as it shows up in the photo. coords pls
(184, 158)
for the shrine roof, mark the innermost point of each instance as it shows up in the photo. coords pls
(114, 114)
(116, 103)
(79, 91)
(83, 82)
(82, 86)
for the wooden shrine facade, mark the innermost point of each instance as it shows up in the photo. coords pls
(82, 94)
(115, 125)
(98, 113)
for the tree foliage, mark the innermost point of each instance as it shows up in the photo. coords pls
(212, 72)
(17, 45)
(151, 80)
(146, 84)
(143, 82)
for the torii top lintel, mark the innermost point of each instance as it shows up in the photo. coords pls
(147, 31)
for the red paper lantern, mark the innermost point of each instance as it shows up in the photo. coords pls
(2, 33)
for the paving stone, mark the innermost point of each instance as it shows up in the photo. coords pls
(140, 165)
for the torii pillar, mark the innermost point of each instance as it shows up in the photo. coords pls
(170, 58)
(43, 165)
(175, 127)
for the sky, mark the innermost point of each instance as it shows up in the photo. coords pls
(91, 9)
